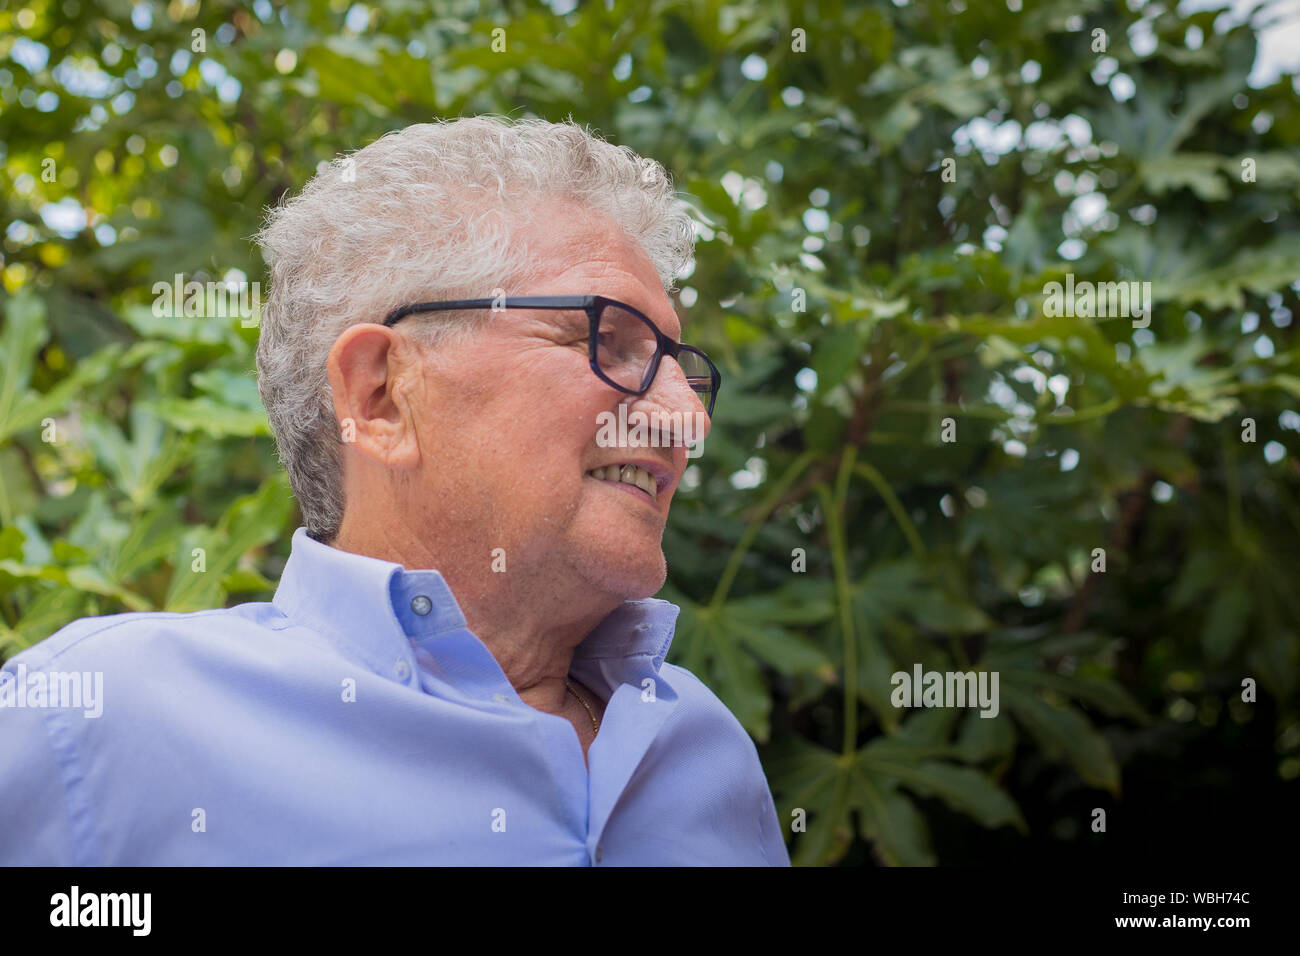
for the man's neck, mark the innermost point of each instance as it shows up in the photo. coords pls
(530, 618)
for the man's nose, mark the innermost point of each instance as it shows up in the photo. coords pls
(672, 394)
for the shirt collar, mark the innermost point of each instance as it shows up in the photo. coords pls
(372, 608)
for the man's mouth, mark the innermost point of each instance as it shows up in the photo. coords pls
(633, 475)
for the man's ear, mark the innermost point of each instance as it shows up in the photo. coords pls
(369, 369)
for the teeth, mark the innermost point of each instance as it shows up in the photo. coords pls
(628, 474)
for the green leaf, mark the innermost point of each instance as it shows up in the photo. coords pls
(817, 782)
(93, 580)
(249, 522)
(21, 338)
(890, 128)
(714, 652)
(11, 544)
(1064, 733)
(1260, 269)
(944, 614)
(1226, 622)
(34, 408)
(890, 821)
(140, 464)
(925, 733)
(962, 788)
(778, 647)
(243, 580)
(1200, 570)
(986, 738)
(908, 587)
(1106, 695)
(756, 622)
(18, 492)
(211, 417)
(836, 354)
(749, 410)
(875, 668)
(1197, 171)
(153, 537)
(735, 677)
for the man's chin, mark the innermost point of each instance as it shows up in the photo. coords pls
(643, 586)
(627, 581)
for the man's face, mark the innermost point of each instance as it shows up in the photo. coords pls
(508, 422)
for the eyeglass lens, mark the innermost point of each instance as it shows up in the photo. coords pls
(626, 349)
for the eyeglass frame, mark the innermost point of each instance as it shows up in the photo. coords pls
(593, 305)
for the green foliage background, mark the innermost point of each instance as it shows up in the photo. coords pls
(816, 175)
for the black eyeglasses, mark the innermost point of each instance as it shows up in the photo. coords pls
(624, 347)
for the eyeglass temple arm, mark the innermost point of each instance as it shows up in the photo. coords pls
(529, 301)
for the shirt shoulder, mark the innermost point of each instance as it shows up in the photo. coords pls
(715, 751)
(701, 715)
(116, 637)
(699, 698)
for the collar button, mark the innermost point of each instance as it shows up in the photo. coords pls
(421, 604)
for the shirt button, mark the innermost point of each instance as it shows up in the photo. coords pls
(421, 604)
(402, 670)
(499, 698)
(600, 852)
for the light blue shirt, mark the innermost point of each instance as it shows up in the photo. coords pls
(339, 725)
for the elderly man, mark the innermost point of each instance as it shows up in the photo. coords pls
(462, 663)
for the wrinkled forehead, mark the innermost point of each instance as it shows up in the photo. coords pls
(580, 251)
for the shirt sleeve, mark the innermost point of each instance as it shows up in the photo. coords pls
(34, 821)
(774, 849)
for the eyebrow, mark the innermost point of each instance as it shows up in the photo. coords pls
(681, 325)
(640, 307)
